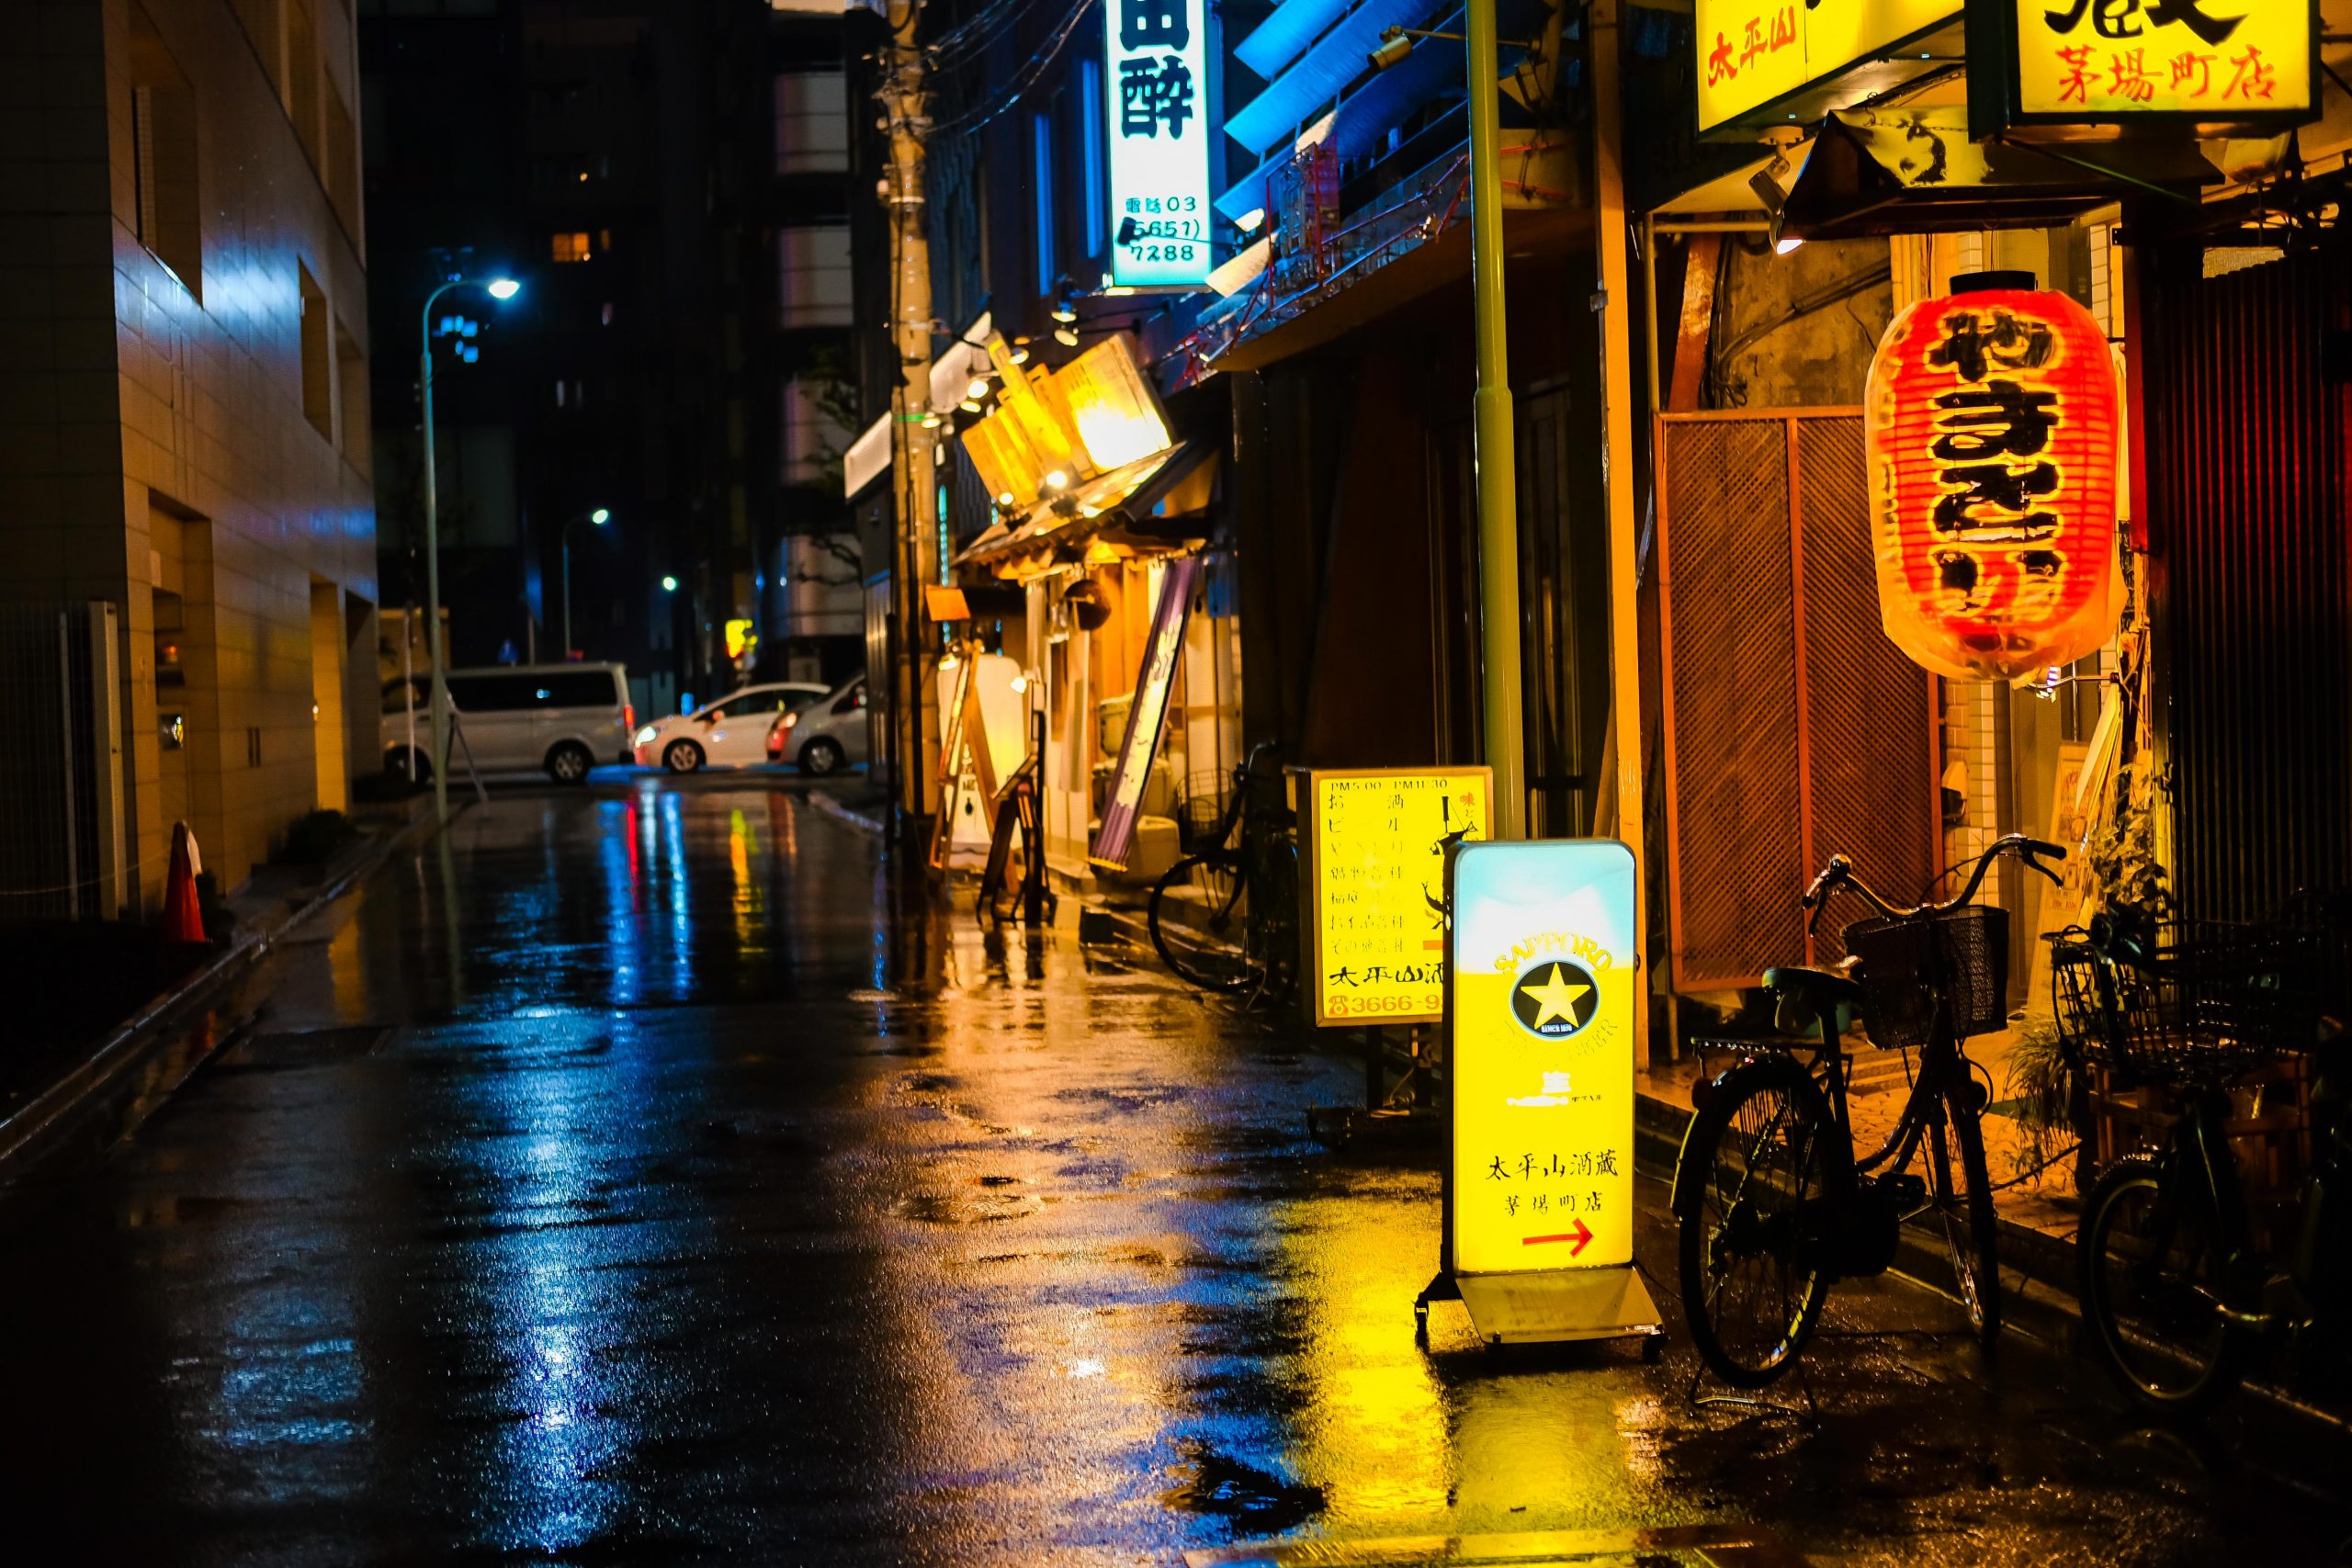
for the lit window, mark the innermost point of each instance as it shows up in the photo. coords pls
(569, 247)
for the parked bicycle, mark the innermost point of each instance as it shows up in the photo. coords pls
(1773, 1203)
(2175, 1296)
(1225, 916)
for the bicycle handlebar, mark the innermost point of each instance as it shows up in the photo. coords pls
(1839, 872)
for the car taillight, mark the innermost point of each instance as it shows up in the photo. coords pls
(791, 719)
(629, 717)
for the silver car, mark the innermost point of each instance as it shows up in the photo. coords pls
(825, 736)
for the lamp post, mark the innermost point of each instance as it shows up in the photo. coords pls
(498, 289)
(598, 518)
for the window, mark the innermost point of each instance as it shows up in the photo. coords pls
(495, 694)
(317, 362)
(163, 153)
(1041, 148)
(302, 71)
(852, 700)
(813, 276)
(342, 173)
(351, 392)
(579, 689)
(572, 247)
(1093, 194)
(812, 123)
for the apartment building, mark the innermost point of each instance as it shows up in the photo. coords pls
(187, 554)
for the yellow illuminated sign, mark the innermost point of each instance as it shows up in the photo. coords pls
(2120, 60)
(1375, 860)
(742, 637)
(1754, 51)
(1540, 1058)
(1115, 411)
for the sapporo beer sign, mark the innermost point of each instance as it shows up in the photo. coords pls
(1375, 857)
(1990, 426)
(1542, 1056)
(2223, 61)
(1161, 126)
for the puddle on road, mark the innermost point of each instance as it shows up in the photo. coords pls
(1215, 1483)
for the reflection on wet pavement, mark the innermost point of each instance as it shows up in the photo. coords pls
(614, 1180)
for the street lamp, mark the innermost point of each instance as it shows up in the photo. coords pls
(597, 518)
(669, 585)
(498, 289)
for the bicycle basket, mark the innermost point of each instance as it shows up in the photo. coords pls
(1206, 798)
(1965, 949)
(2213, 1003)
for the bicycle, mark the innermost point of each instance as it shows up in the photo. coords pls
(1773, 1204)
(1226, 917)
(2173, 1291)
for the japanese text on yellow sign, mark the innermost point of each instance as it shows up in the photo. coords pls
(2116, 59)
(1752, 51)
(1542, 1056)
(1377, 848)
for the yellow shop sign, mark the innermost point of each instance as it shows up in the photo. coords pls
(1539, 1181)
(1755, 52)
(1376, 863)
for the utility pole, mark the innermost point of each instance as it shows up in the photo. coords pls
(913, 694)
(1495, 448)
(1616, 303)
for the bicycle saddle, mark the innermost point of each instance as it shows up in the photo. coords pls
(1823, 988)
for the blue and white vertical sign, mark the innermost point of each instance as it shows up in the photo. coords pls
(1159, 117)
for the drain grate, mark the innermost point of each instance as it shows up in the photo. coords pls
(304, 1047)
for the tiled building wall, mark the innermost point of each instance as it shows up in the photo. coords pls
(153, 413)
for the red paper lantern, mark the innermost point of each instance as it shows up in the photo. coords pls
(1990, 434)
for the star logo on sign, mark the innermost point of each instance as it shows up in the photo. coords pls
(1555, 999)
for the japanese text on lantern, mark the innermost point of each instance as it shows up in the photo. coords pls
(1376, 859)
(1991, 432)
(1160, 127)
(2095, 59)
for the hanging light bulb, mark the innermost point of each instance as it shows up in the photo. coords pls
(1065, 336)
(1021, 351)
(978, 388)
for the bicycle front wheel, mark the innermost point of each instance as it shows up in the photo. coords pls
(1961, 1195)
(1753, 1271)
(1196, 926)
(2154, 1289)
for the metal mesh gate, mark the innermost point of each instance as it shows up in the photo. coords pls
(1793, 729)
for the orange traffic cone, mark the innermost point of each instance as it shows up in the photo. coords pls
(182, 918)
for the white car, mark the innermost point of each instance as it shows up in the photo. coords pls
(565, 718)
(730, 733)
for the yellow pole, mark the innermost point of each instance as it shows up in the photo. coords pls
(1617, 434)
(1492, 421)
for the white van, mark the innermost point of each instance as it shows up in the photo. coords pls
(565, 718)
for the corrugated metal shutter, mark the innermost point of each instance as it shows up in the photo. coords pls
(2248, 467)
(1794, 729)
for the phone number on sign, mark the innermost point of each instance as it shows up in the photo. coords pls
(1337, 1007)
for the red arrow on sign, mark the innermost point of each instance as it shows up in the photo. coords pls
(1581, 1235)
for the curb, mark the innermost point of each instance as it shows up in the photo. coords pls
(46, 1127)
(847, 815)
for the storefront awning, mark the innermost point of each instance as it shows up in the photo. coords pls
(1876, 172)
(1124, 505)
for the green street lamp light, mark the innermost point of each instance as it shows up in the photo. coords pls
(669, 585)
(498, 289)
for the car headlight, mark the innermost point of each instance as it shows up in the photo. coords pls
(645, 737)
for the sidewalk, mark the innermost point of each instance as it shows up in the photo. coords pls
(95, 1097)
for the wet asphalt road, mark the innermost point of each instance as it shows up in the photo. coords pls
(613, 1182)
